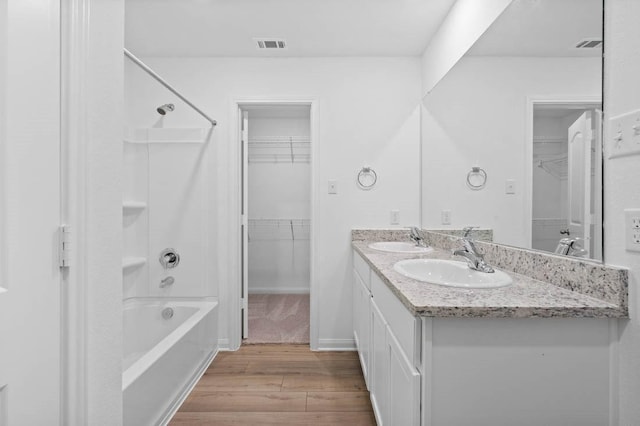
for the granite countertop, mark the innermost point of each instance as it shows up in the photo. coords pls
(525, 298)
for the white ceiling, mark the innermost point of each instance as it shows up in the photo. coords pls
(543, 28)
(310, 27)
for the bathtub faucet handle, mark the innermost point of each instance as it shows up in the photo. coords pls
(166, 282)
(169, 258)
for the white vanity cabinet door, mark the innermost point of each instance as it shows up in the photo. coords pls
(361, 324)
(404, 386)
(379, 372)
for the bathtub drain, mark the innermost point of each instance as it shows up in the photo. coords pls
(167, 313)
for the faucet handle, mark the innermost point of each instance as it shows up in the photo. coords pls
(466, 231)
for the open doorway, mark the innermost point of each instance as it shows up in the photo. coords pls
(276, 249)
(567, 179)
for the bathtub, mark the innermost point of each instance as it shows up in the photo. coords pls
(163, 358)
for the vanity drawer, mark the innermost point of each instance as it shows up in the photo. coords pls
(404, 326)
(362, 268)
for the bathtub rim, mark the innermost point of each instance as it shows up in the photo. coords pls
(205, 305)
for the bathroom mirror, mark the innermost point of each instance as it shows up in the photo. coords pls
(525, 105)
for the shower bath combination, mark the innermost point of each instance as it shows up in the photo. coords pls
(164, 109)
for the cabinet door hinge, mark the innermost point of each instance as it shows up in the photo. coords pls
(64, 246)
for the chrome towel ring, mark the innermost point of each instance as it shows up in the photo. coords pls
(476, 178)
(367, 178)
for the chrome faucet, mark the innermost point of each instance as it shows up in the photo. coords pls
(416, 237)
(474, 258)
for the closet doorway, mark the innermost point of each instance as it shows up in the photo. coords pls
(276, 223)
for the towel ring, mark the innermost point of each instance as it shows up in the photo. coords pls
(367, 178)
(476, 178)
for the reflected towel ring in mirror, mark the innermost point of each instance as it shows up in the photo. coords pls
(367, 178)
(476, 178)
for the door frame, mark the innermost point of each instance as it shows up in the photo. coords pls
(234, 243)
(532, 101)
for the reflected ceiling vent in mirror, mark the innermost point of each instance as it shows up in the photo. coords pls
(589, 43)
(270, 43)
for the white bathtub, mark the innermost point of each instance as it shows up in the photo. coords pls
(164, 358)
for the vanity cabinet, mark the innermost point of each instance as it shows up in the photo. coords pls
(362, 323)
(441, 371)
(387, 337)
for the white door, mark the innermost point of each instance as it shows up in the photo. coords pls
(244, 211)
(30, 279)
(579, 180)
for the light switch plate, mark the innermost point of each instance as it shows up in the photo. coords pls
(624, 135)
(510, 186)
(333, 186)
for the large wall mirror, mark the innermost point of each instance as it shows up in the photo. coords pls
(524, 106)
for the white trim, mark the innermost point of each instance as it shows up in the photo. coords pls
(74, 56)
(614, 371)
(223, 345)
(528, 163)
(280, 290)
(336, 345)
(233, 243)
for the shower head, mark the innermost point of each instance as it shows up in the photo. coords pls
(162, 110)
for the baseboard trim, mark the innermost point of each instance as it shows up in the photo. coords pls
(336, 345)
(278, 290)
(224, 345)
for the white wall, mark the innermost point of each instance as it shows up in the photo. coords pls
(102, 209)
(367, 114)
(621, 177)
(466, 22)
(477, 116)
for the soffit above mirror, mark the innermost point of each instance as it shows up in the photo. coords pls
(545, 28)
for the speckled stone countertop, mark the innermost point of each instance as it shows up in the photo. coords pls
(526, 297)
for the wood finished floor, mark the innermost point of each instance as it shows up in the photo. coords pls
(279, 385)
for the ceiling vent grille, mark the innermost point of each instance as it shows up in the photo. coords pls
(270, 43)
(589, 43)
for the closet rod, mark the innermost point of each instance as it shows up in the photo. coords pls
(160, 80)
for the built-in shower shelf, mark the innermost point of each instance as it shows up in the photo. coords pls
(133, 262)
(129, 206)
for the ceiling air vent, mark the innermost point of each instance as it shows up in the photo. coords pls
(589, 43)
(270, 43)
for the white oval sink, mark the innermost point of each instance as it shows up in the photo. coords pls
(450, 273)
(399, 247)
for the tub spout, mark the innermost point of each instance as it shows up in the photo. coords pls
(166, 282)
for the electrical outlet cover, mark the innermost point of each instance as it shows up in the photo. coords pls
(632, 229)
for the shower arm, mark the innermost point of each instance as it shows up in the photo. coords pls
(160, 80)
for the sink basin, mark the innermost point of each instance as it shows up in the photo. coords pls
(450, 273)
(399, 247)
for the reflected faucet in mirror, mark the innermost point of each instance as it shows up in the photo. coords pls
(416, 236)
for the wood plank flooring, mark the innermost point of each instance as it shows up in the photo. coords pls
(279, 385)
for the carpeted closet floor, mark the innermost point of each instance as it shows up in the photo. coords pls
(278, 318)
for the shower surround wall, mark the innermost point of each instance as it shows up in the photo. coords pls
(164, 207)
(279, 205)
(170, 332)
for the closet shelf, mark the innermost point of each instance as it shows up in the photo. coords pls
(133, 262)
(133, 205)
(280, 149)
(279, 229)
